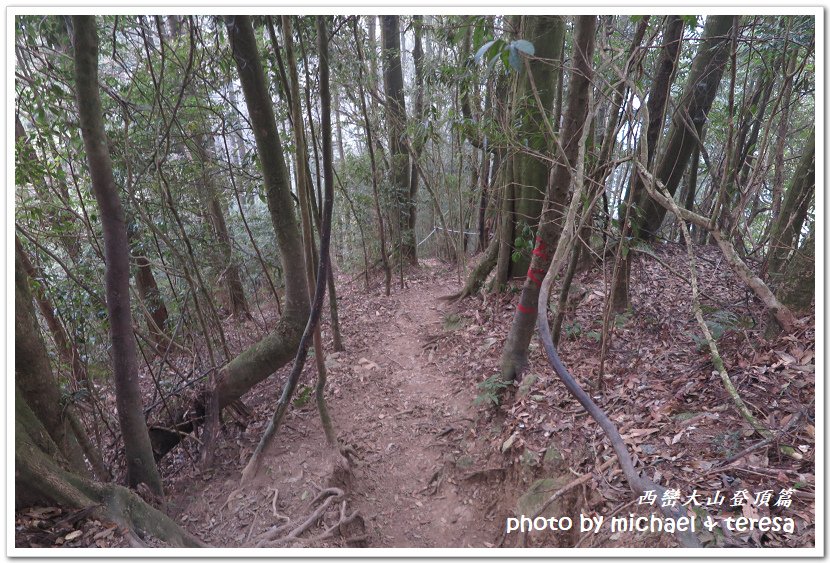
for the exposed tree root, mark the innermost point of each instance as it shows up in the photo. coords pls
(477, 276)
(289, 533)
(637, 483)
(37, 471)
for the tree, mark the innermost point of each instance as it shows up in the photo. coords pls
(514, 354)
(687, 120)
(524, 191)
(277, 348)
(657, 103)
(787, 227)
(403, 199)
(141, 466)
(33, 375)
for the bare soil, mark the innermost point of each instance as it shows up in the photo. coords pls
(408, 420)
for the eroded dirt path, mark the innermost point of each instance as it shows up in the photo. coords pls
(408, 420)
(394, 400)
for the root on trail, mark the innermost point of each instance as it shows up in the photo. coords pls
(288, 533)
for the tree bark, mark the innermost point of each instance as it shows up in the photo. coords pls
(228, 266)
(396, 125)
(514, 354)
(277, 348)
(687, 122)
(42, 475)
(657, 102)
(148, 291)
(536, 87)
(786, 230)
(33, 373)
(141, 467)
(265, 357)
(65, 346)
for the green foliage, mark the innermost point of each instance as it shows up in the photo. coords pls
(489, 390)
(621, 319)
(720, 322)
(690, 21)
(508, 53)
(594, 335)
(303, 396)
(523, 244)
(573, 331)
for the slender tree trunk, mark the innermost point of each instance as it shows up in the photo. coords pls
(786, 230)
(303, 183)
(276, 349)
(418, 143)
(148, 291)
(387, 270)
(657, 104)
(141, 466)
(229, 268)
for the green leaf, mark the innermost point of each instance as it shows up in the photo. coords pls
(513, 58)
(524, 46)
(484, 48)
(690, 21)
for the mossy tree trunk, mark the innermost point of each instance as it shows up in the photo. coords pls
(42, 475)
(529, 182)
(33, 374)
(514, 354)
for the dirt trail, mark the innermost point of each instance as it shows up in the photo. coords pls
(409, 422)
(409, 419)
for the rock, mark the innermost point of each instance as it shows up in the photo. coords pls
(538, 493)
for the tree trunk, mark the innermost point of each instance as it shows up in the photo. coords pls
(65, 346)
(514, 354)
(687, 122)
(42, 476)
(141, 467)
(268, 355)
(534, 99)
(148, 291)
(387, 270)
(228, 267)
(33, 374)
(418, 141)
(657, 102)
(277, 348)
(304, 195)
(396, 124)
(786, 231)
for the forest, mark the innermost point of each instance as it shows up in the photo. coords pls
(415, 281)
